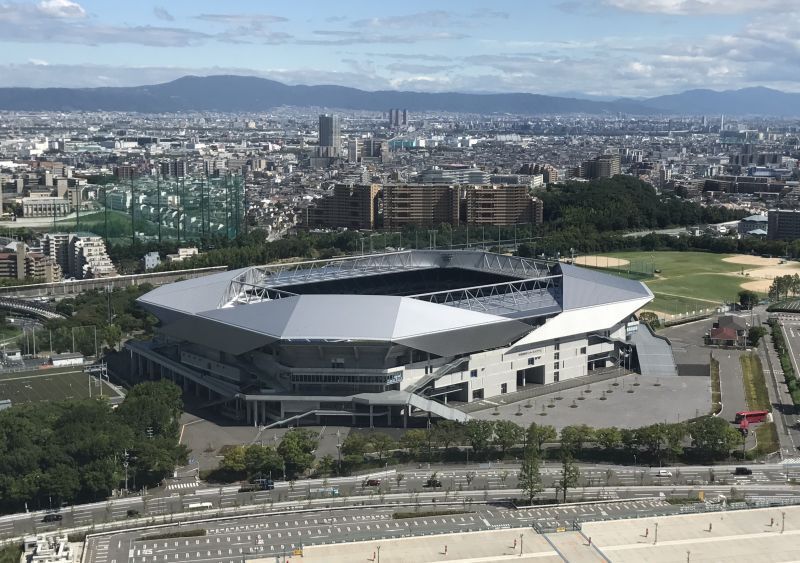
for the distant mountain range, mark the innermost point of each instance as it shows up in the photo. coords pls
(252, 94)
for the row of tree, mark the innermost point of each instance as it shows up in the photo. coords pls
(78, 450)
(92, 320)
(784, 286)
(707, 439)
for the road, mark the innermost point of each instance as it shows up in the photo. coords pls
(478, 483)
(787, 417)
(234, 540)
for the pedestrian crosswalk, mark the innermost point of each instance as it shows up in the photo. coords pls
(185, 485)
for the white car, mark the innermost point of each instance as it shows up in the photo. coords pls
(663, 473)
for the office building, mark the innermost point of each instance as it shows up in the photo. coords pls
(330, 134)
(45, 206)
(398, 118)
(783, 224)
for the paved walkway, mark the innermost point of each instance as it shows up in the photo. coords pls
(474, 547)
(574, 547)
(745, 535)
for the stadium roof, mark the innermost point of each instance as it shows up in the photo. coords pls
(247, 308)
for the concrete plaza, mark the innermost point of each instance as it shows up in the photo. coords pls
(473, 547)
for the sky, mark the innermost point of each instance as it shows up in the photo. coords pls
(603, 48)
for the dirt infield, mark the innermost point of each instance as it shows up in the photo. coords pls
(752, 260)
(761, 286)
(601, 261)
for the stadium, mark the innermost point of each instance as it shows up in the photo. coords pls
(390, 339)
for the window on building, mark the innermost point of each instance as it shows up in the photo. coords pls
(531, 361)
(473, 373)
(557, 356)
(556, 346)
(555, 376)
(583, 349)
(503, 388)
(555, 365)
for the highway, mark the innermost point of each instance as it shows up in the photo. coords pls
(270, 535)
(467, 484)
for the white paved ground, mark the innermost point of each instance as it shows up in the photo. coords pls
(475, 547)
(745, 535)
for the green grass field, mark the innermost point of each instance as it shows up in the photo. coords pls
(49, 385)
(688, 281)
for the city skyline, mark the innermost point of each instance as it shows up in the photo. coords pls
(603, 48)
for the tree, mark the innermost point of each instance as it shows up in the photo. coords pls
(381, 443)
(608, 438)
(652, 438)
(754, 334)
(414, 440)
(478, 434)
(713, 437)
(539, 435)
(630, 440)
(507, 434)
(261, 460)
(326, 465)
(569, 474)
(296, 450)
(354, 448)
(748, 299)
(674, 435)
(234, 460)
(573, 437)
(447, 433)
(530, 477)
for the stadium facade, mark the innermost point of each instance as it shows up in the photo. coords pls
(377, 339)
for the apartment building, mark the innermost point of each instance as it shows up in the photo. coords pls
(352, 206)
(501, 205)
(423, 205)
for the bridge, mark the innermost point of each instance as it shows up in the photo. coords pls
(74, 287)
(29, 307)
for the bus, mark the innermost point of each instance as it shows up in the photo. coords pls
(199, 506)
(751, 416)
(332, 491)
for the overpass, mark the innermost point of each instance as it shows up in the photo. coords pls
(65, 288)
(29, 308)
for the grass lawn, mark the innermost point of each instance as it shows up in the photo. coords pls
(716, 394)
(767, 437)
(755, 387)
(688, 281)
(49, 385)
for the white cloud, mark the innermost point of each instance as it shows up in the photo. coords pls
(61, 9)
(700, 7)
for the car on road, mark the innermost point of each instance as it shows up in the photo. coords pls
(433, 482)
(372, 483)
(132, 513)
(742, 471)
(663, 473)
(52, 518)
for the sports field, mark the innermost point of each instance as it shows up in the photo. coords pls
(53, 384)
(684, 282)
